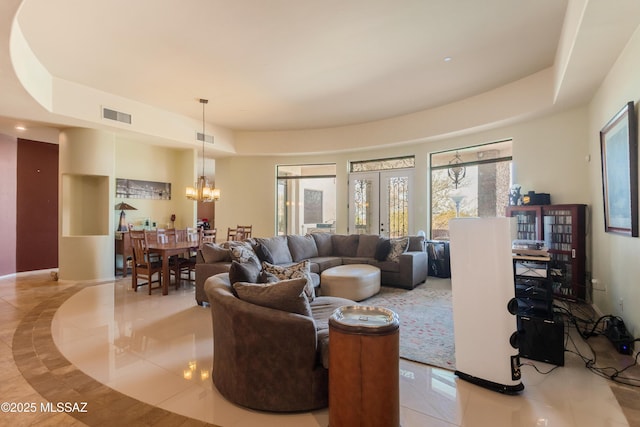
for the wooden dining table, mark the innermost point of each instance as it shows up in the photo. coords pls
(167, 250)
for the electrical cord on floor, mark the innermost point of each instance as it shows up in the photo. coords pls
(538, 370)
(609, 372)
(574, 319)
(635, 363)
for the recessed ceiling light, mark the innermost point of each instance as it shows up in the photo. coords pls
(20, 127)
(447, 59)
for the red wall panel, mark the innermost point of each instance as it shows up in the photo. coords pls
(37, 206)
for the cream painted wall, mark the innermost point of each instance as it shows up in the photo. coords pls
(86, 161)
(136, 160)
(549, 154)
(615, 257)
(90, 161)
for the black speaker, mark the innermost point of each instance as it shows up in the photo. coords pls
(541, 339)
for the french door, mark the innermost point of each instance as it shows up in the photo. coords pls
(380, 202)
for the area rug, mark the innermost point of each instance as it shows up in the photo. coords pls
(426, 322)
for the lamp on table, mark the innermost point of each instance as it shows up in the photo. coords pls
(123, 207)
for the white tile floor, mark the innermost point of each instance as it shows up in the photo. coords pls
(158, 349)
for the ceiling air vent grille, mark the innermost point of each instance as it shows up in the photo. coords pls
(118, 116)
(207, 138)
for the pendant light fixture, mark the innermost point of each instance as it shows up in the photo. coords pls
(457, 171)
(203, 191)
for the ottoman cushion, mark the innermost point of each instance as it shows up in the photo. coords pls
(353, 281)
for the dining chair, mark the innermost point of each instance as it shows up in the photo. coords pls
(231, 234)
(151, 236)
(143, 266)
(166, 235)
(176, 263)
(182, 234)
(243, 231)
(189, 263)
(192, 234)
(209, 236)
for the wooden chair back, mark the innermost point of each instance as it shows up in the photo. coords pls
(182, 235)
(166, 235)
(191, 234)
(209, 236)
(143, 266)
(243, 232)
(151, 236)
(138, 247)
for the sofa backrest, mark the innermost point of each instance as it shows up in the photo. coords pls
(302, 247)
(323, 243)
(367, 245)
(345, 245)
(278, 248)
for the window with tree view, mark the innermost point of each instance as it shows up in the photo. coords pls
(469, 182)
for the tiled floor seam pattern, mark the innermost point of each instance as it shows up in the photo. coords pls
(57, 380)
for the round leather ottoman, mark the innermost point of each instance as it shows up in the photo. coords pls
(352, 281)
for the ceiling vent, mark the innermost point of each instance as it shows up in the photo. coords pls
(204, 137)
(118, 116)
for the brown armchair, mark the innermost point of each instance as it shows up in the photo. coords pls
(268, 359)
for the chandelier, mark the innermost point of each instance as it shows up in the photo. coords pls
(457, 171)
(202, 191)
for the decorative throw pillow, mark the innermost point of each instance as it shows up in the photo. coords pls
(267, 277)
(299, 270)
(214, 253)
(398, 246)
(416, 244)
(244, 271)
(242, 252)
(383, 248)
(263, 253)
(285, 295)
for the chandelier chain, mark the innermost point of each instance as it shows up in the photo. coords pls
(204, 135)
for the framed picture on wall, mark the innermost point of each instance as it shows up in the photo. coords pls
(139, 189)
(619, 154)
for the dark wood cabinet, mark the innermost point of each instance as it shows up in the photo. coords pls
(529, 220)
(122, 249)
(563, 229)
